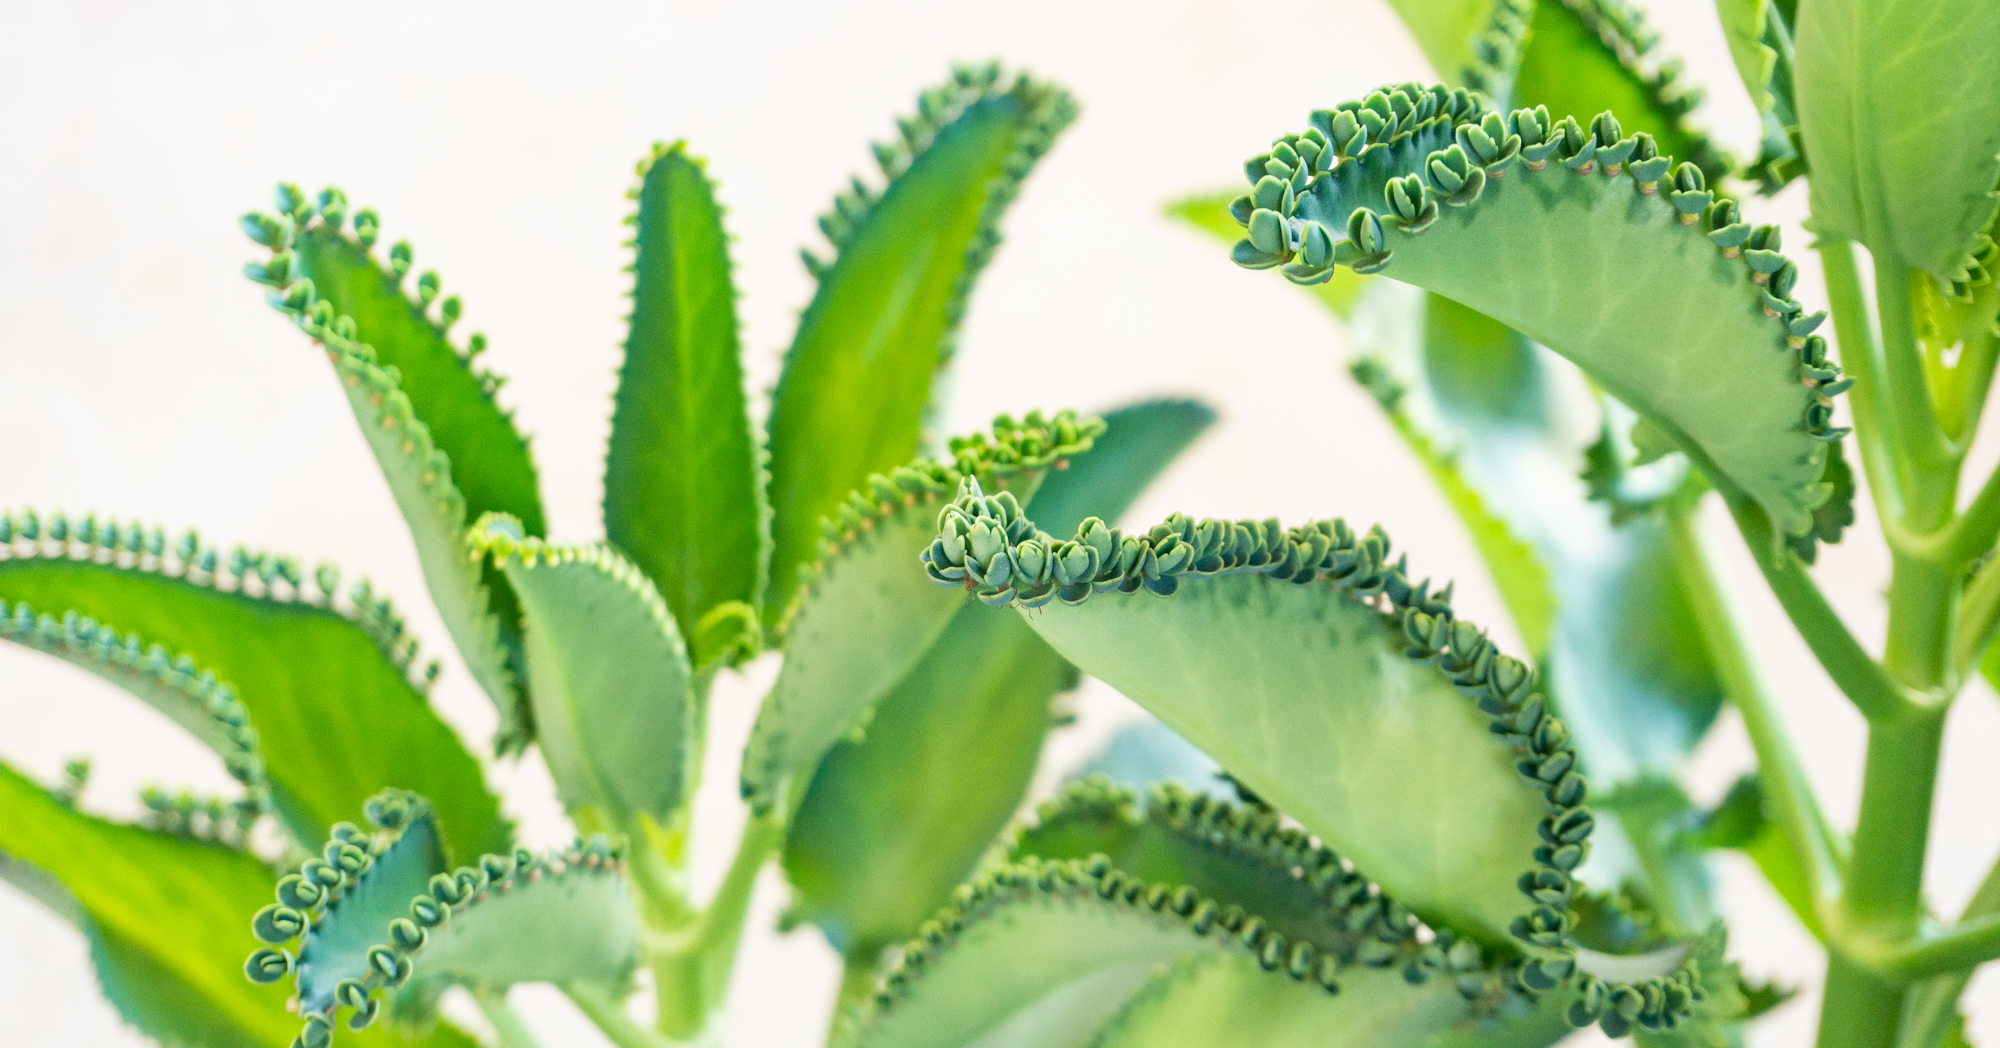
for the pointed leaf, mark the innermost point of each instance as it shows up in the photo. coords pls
(1905, 145)
(1611, 272)
(683, 489)
(851, 399)
(1476, 41)
(869, 614)
(1210, 214)
(1342, 714)
(165, 916)
(423, 409)
(325, 682)
(614, 700)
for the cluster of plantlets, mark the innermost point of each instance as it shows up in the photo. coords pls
(1385, 831)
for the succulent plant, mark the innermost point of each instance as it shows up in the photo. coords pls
(1354, 819)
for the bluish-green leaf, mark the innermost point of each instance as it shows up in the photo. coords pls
(614, 696)
(1210, 214)
(850, 401)
(683, 489)
(167, 918)
(327, 686)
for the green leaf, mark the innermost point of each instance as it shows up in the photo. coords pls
(613, 694)
(325, 683)
(683, 489)
(1905, 145)
(448, 452)
(1035, 955)
(381, 909)
(1226, 999)
(1210, 214)
(850, 401)
(1613, 272)
(164, 915)
(1344, 715)
(1584, 57)
(1476, 41)
(1739, 822)
(1626, 664)
(869, 615)
(893, 822)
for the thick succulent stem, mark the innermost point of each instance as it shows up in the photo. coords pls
(1919, 436)
(608, 1014)
(1882, 903)
(1933, 1005)
(1723, 629)
(507, 1024)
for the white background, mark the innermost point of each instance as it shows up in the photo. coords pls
(140, 375)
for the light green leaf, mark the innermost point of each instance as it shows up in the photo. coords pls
(683, 489)
(1336, 711)
(893, 822)
(325, 683)
(1627, 665)
(1743, 26)
(1611, 271)
(1739, 822)
(614, 698)
(426, 413)
(166, 920)
(869, 614)
(850, 401)
(1903, 134)
(381, 910)
(1210, 214)
(1229, 999)
(1584, 57)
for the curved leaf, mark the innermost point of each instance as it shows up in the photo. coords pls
(1477, 41)
(1612, 272)
(1210, 214)
(868, 616)
(851, 398)
(416, 381)
(1627, 666)
(326, 684)
(892, 823)
(1760, 43)
(1905, 145)
(165, 918)
(1584, 57)
(380, 909)
(683, 489)
(613, 694)
(1305, 693)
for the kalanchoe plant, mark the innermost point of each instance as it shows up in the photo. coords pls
(1357, 821)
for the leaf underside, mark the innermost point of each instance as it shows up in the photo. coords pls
(614, 700)
(851, 398)
(683, 489)
(337, 719)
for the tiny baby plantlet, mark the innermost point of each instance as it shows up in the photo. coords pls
(1367, 825)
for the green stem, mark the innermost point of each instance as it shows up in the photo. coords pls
(1960, 948)
(1978, 622)
(1854, 671)
(1882, 903)
(857, 983)
(1723, 630)
(1920, 437)
(608, 1013)
(1923, 599)
(513, 1033)
(691, 964)
(1861, 358)
(1933, 1005)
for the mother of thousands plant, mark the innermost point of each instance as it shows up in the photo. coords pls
(1385, 832)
